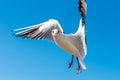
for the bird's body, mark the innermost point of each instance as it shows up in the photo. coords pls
(70, 44)
(65, 42)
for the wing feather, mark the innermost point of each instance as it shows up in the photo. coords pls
(83, 8)
(40, 31)
(81, 32)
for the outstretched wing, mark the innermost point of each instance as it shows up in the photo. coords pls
(39, 32)
(81, 34)
(83, 10)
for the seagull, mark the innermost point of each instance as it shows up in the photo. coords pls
(51, 30)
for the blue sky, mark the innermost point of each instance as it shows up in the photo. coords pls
(24, 59)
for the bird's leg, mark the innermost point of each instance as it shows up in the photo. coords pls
(78, 69)
(71, 63)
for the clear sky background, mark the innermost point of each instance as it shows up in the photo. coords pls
(24, 59)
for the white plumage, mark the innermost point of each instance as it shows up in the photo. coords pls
(74, 44)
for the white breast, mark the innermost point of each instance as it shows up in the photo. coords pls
(64, 42)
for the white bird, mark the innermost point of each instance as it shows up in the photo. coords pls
(52, 30)
(74, 44)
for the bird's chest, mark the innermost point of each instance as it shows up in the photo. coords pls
(65, 43)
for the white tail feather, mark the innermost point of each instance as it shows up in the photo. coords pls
(82, 63)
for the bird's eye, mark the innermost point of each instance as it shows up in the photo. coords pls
(52, 31)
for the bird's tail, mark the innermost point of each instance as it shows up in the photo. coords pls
(82, 63)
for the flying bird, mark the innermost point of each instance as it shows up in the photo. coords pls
(75, 44)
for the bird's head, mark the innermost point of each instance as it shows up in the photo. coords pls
(55, 32)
